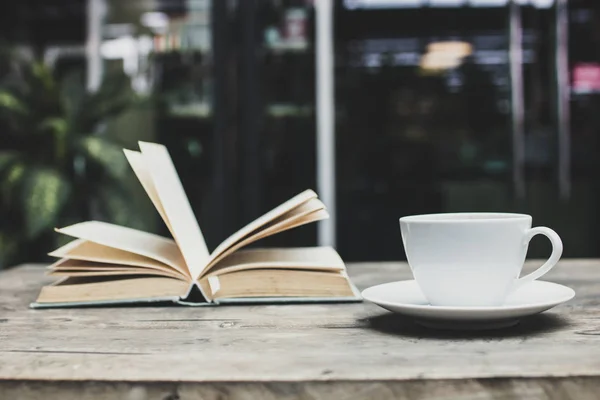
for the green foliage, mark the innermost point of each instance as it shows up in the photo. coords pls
(45, 192)
(57, 165)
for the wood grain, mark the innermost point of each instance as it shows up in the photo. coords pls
(319, 351)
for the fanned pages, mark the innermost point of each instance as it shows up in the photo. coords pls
(310, 258)
(85, 251)
(108, 264)
(136, 161)
(66, 267)
(129, 240)
(176, 206)
(308, 211)
(265, 219)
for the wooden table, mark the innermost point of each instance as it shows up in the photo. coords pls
(343, 351)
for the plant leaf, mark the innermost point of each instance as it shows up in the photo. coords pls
(11, 180)
(8, 249)
(7, 158)
(116, 206)
(45, 193)
(43, 75)
(112, 98)
(11, 103)
(57, 125)
(72, 94)
(11, 171)
(107, 155)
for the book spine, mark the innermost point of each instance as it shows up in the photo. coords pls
(196, 294)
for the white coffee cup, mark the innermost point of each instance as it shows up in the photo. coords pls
(472, 259)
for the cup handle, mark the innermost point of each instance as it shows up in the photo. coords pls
(557, 249)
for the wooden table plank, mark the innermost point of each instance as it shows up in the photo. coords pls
(294, 351)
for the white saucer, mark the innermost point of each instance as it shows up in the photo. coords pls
(405, 297)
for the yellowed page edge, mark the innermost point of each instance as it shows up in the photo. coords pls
(322, 258)
(122, 272)
(69, 265)
(113, 290)
(130, 240)
(279, 283)
(87, 268)
(83, 250)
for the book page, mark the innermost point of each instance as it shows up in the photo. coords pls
(116, 274)
(307, 258)
(92, 289)
(136, 161)
(277, 283)
(301, 216)
(129, 240)
(178, 211)
(263, 220)
(83, 250)
(68, 267)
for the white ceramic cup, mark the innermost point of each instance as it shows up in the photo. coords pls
(472, 259)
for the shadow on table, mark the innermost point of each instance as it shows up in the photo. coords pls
(398, 325)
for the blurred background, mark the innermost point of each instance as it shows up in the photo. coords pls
(439, 106)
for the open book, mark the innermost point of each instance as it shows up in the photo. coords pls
(110, 264)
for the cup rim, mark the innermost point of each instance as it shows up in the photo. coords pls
(464, 217)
